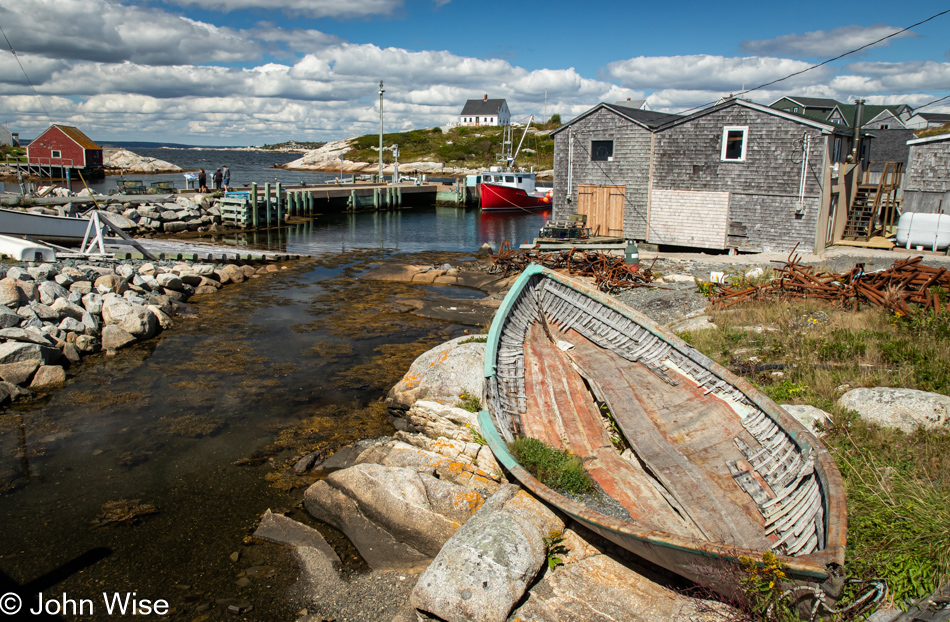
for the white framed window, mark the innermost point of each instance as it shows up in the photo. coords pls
(55, 153)
(734, 142)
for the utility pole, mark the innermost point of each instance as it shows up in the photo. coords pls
(381, 91)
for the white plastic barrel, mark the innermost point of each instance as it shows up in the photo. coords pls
(928, 230)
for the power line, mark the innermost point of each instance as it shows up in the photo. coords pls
(30, 82)
(830, 60)
(932, 103)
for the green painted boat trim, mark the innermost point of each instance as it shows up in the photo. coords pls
(498, 322)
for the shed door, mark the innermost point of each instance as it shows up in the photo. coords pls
(604, 208)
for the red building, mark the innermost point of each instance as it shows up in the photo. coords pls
(63, 147)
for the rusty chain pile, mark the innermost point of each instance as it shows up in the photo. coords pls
(610, 273)
(907, 282)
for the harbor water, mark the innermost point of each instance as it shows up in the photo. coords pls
(148, 471)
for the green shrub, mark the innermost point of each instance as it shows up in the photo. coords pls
(555, 468)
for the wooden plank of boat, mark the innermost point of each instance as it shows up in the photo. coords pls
(42, 226)
(715, 469)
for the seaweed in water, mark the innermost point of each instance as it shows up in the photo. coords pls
(193, 426)
(123, 512)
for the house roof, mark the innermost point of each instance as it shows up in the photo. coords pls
(929, 139)
(648, 119)
(825, 126)
(482, 106)
(73, 132)
(810, 102)
(631, 103)
(934, 116)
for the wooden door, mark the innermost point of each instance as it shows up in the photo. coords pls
(603, 206)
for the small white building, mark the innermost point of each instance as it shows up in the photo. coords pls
(6, 136)
(485, 112)
(636, 104)
(924, 120)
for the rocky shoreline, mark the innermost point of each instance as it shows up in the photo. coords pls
(53, 315)
(123, 161)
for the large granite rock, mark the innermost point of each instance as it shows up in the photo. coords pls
(19, 373)
(132, 318)
(485, 568)
(593, 587)
(906, 409)
(48, 375)
(9, 293)
(434, 420)
(286, 531)
(397, 517)
(114, 338)
(441, 375)
(49, 291)
(8, 319)
(16, 351)
(809, 416)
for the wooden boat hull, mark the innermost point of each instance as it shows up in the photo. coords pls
(42, 226)
(709, 560)
(498, 198)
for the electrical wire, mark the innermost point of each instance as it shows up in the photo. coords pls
(30, 82)
(931, 103)
(825, 62)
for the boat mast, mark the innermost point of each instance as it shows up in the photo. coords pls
(381, 91)
(511, 163)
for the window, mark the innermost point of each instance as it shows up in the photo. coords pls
(55, 153)
(836, 153)
(885, 126)
(734, 143)
(795, 109)
(510, 179)
(601, 150)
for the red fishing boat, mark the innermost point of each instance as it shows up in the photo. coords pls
(513, 191)
(509, 189)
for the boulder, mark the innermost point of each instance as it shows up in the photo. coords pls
(131, 318)
(86, 343)
(285, 531)
(594, 587)
(12, 392)
(19, 274)
(434, 420)
(47, 376)
(906, 409)
(175, 227)
(163, 319)
(9, 294)
(441, 375)
(168, 280)
(91, 324)
(16, 351)
(147, 268)
(64, 279)
(111, 283)
(27, 290)
(66, 309)
(81, 287)
(49, 291)
(93, 303)
(8, 318)
(72, 325)
(70, 351)
(27, 336)
(44, 312)
(19, 373)
(398, 518)
(485, 568)
(113, 338)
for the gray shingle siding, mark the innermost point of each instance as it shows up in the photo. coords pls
(927, 181)
(764, 187)
(630, 166)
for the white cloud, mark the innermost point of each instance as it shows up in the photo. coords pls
(869, 78)
(823, 42)
(706, 72)
(296, 39)
(97, 30)
(339, 9)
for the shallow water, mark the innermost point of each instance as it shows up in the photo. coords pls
(269, 368)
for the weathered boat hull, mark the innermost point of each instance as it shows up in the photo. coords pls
(707, 561)
(42, 226)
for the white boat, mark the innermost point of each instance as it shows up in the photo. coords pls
(42, 226)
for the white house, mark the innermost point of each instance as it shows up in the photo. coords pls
(6, 136)
(485, 112)
(924, 120)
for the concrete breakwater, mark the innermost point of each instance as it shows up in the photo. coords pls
(52, 315)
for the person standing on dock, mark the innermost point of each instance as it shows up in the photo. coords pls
(216, 178)
(202, 180)
(226, 178)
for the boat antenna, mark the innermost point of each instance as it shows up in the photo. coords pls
(521, 142)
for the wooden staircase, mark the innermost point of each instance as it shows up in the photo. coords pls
(874, 204)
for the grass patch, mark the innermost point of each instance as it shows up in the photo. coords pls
(471, 403)
(897, 484)
(475, 339)
(555, 468)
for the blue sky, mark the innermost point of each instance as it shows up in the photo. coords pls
(248, 72)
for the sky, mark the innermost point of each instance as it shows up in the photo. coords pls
(252, 72)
